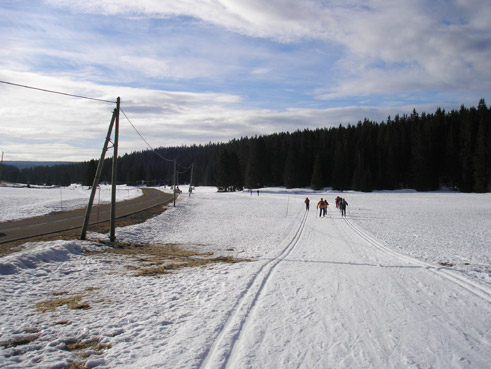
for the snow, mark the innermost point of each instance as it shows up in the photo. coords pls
(21, 202)
(403, 282)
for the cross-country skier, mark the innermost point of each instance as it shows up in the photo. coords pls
(343, 204)
(322, 205)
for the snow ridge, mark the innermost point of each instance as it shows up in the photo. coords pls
(44, 252)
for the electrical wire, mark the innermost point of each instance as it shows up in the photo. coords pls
(101, 100)
(143, 138)
(57, 92)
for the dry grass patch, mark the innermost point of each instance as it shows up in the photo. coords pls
(91, 345)
(85, 349)
(190, 263)
(72, 302)
(90, 289)
(18, 341)
(154, 260)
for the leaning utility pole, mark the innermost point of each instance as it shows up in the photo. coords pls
(95, 183)
(114, 176)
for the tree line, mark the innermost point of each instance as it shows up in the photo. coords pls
(419, 151)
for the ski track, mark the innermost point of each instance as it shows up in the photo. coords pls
(222, 349)
(463, 282)
(238, 333)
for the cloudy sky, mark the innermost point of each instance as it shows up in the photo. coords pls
(194, 71)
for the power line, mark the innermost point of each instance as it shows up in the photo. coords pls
(57, 92)
(143, 138)
(101, 100)
(184, 169)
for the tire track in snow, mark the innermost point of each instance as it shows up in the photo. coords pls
(463, 282)
(221, 351)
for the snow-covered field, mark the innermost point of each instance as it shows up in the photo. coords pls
(22, 202)
(403, 282)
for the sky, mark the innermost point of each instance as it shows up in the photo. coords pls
(193, 72)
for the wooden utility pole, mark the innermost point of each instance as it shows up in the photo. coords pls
(95, 183)
(191, 179)
(175, 182)
(114, 175)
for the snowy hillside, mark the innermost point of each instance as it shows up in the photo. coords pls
(402, 282)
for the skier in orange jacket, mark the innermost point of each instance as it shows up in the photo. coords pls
(322, 205)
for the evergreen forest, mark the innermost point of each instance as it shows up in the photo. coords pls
(427, 151)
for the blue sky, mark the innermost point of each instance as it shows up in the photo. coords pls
(191, 72)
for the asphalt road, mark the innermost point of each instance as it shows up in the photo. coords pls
(66, 220)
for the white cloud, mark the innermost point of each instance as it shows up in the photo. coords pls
(411, 46)
(354, 51)
(439, 44)
(282, 20)
(41, 126)
(259, 71)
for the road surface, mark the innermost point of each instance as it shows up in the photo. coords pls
(66, 220)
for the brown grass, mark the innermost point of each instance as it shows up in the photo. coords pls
(94, 345)
(77, 365)
(83, 349)
(18, 341)
(155, 260)
(73, 302)
(190, 263)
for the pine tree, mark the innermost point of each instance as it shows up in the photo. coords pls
(228, 175)
(480, 156)
(257, 164)
(318, 181)
(89, 173)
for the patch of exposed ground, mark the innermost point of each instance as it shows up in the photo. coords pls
(85, 349)
(71, 302)
(94, 345)
(154, 260)
(14, 342)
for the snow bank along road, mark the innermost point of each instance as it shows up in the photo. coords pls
(336, 298)
(61, 221)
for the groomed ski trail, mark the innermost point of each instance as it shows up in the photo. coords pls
(340, 299)
(463, 282)
(220, 352)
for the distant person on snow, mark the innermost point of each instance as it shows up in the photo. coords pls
(307, 204)
(322, 205)
(337, 201)
(343, 204)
